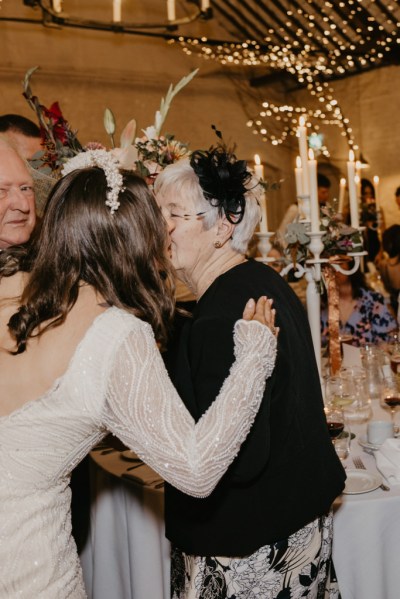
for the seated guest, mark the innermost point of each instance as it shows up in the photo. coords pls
(363, 312)
(389, 266)
(369, 219)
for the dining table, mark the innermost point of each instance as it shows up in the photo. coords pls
(127, 556)
(366, 526)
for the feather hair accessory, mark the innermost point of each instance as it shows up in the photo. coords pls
(223, 179)
(109, 164)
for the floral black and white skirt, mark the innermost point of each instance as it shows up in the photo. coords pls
(299, 566)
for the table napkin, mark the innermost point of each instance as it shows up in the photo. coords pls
(388, 460)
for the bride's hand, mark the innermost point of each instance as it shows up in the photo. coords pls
(261, 311)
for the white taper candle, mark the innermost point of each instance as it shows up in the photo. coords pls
(342, 191)
(303, 149)
(353, 201)
(314, 204)
(117, 11)
(259, 172)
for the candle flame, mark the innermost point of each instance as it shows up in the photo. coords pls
(302, 121)
(351, 156)
(357, 179)
(298, 162)
(257, 159)
(310, 154)
(343, 182)
(376, 179)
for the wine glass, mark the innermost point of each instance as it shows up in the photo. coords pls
(338, 431)
(393, 348)
(390, 395)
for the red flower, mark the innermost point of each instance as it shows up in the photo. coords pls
(57, 123)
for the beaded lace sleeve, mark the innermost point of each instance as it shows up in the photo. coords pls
(144, 410)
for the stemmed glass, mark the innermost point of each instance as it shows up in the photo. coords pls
(390, 395)
(393, 349)
(338, 431)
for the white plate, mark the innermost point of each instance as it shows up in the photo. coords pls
(361, 481)
(362, 439)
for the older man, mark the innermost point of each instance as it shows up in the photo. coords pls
(17, 198)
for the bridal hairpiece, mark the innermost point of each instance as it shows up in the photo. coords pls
(110, 165)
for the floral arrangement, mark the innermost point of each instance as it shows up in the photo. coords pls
(152, 152)
(59, 141)
(147, 155)
(339, 239)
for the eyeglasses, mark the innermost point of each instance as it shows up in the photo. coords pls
(197, 216)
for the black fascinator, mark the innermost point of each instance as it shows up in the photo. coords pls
(222, 178)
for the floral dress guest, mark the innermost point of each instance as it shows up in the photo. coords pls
(364, 313)
(265, 531)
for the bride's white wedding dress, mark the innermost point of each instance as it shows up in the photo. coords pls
(116, 381)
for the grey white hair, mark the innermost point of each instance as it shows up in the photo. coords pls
(180, 180)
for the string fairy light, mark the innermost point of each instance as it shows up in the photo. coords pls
(314, 41)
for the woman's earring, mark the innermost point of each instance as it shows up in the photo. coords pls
(217, 244)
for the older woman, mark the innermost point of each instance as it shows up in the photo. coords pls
(266, 529)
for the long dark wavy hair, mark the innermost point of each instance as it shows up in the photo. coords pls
(121, 255)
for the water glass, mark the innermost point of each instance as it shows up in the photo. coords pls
(372, 360)
(338, 392)
(359, 410)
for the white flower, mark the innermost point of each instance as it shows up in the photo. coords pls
(150, 132)
(127, 157)
(109, 121)
(158, 122)
(128, 134)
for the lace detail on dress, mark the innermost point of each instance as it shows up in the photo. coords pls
(144, 410)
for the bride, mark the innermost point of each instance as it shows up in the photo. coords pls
(80, 321)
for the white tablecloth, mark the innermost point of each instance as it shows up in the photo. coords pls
(127, 556)
(366, 541)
